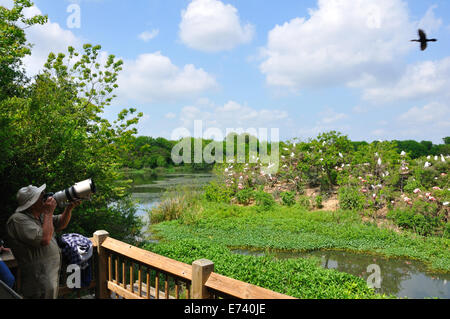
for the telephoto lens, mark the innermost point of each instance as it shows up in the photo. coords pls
(80, 191)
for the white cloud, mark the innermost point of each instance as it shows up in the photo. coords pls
(429, 22)
(432, 114)
(421, 80)
(212, 26)
(153, 76)
(149, 35)
(330, 116)
(233, 115)
(428, 122)
(50, 37)
(342, 42)
(170, 115)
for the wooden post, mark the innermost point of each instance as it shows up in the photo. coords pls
(102, 275)
(201, 269)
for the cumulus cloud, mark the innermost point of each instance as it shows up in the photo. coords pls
(433, 114)
(428, 122)
(342, 42)
(430, 22)
(212, 26)
(153, 76)
(149, 35)
(420, 80)
(232, 115)
(50, 37)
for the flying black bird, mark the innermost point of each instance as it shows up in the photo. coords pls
(423, 40)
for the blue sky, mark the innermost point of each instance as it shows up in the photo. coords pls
(301, 66)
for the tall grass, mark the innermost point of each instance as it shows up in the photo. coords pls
(178, 203)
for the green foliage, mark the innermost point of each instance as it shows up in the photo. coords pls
(319, 200)
(14, 46)
(411, 185)
(55, 134)
(292, 228)
(264, 200)
(351, 198)
(178, 203)
(288, 198)
(245, 196)
(301, 278)
(304, 202)
(422, 218)
(218, 193)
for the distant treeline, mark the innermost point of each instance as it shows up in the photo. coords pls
(418, 149)
(149, 152)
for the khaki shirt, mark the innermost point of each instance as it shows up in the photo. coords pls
(39, 265)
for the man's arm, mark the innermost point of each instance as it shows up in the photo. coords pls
(47, 227)
(66, 215)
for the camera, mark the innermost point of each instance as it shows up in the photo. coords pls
(79, 191)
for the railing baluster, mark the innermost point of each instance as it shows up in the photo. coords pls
(131, 276)
(148, 283)
(123, 274)
(140, 280)
(188, 290)
(109, 268)
(116, 261)
(157, 285)
(177, 289)
(166, 286)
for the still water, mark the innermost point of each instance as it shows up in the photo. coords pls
(399, 277)
(147, 190)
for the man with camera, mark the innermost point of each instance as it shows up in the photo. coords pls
(31, 230)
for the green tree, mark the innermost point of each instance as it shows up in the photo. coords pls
(328, 151)
(55, 135)
(13, 46)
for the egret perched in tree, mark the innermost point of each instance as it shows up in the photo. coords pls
(423, 40)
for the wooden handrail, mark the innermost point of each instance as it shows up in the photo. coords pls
(240, 289)
(148, 258)
(216, 282)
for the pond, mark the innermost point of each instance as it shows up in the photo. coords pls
(147, 190)
(399, 277)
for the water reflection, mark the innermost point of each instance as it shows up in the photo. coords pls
(147, 190)
(400, 277)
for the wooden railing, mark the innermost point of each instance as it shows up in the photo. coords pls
(130, 272)
(125, 271)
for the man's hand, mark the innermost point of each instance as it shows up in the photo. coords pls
(74, 204)
(50, 205)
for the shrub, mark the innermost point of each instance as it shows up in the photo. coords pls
(411, 218)
(350, 198)
(244, 196)
(264, 200)
(177, 203)
(411, 185)
(218, 193)
(319, 200)
(304, 202)
(288, 198)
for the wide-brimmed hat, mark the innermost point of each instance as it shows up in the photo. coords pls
(27, 196)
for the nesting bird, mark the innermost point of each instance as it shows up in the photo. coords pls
(423, 40)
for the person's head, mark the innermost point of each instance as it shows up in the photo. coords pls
(30, 198)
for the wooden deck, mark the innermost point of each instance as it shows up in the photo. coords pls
(123, 271)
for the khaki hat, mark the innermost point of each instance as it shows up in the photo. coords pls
(27, 196)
